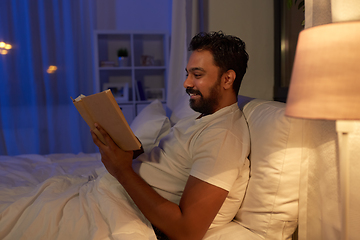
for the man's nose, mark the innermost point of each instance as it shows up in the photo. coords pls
(188, 83)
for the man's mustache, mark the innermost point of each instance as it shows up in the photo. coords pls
(192, 91)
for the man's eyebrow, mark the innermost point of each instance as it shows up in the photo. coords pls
(195, 69)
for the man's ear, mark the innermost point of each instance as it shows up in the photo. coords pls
(229, 78)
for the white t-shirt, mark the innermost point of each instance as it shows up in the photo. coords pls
(213, 148)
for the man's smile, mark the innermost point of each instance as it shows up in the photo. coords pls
(193, 93)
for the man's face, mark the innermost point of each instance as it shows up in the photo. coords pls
(203, 83)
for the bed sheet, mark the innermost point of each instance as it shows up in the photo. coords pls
(65, 196)
(32, 169)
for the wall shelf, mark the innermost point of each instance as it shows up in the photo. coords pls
(144, 78)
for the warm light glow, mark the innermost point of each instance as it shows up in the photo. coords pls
(51, 69)
(345, 10)
(4, 47)
(325, 85)
(325, 78)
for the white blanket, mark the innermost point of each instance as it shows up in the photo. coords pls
(38, 201)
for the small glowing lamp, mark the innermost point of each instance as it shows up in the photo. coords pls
(51, 69)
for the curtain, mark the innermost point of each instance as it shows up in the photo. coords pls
(178, 56)
(50, 60)
(188, 18)
(320, 12)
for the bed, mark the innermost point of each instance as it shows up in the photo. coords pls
(85, 201)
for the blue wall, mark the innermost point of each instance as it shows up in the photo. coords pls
(134, 15)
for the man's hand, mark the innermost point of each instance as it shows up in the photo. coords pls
(115, 160)
(191, 219)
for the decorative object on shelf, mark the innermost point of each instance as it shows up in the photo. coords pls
(147, 60)
(122, 54)
(140, 94)
(119, 90)
(107, 64)
(155, 93)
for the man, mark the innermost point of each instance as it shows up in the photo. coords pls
(197, 176)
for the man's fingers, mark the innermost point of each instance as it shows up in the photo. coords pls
(93, 134)
(94, 137)
(109, 141)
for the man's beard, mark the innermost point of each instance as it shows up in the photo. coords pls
(205, 105)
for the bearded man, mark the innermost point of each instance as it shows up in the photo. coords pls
(196, 178)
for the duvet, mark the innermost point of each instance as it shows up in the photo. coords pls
(65, 196)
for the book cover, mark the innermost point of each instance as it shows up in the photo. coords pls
(102, 108)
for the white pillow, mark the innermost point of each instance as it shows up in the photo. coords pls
(231, 231)
(181, 110)
(270, 206)
(150, 125)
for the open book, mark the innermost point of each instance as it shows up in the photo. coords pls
(102, 108)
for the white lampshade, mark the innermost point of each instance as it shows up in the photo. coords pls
(325, 82)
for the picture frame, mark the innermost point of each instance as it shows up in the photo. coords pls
(155, 93)
(119, 90)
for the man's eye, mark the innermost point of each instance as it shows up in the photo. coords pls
(197, 75)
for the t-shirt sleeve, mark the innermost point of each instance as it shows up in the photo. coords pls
(217, 158)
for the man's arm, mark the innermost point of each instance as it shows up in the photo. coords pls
(190, 219)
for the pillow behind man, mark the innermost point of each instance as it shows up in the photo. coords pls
(150, 125)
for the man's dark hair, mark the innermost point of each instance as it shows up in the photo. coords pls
(228, 52)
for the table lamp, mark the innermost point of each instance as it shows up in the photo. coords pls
(325, 84)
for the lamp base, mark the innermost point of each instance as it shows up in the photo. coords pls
(343, 128)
